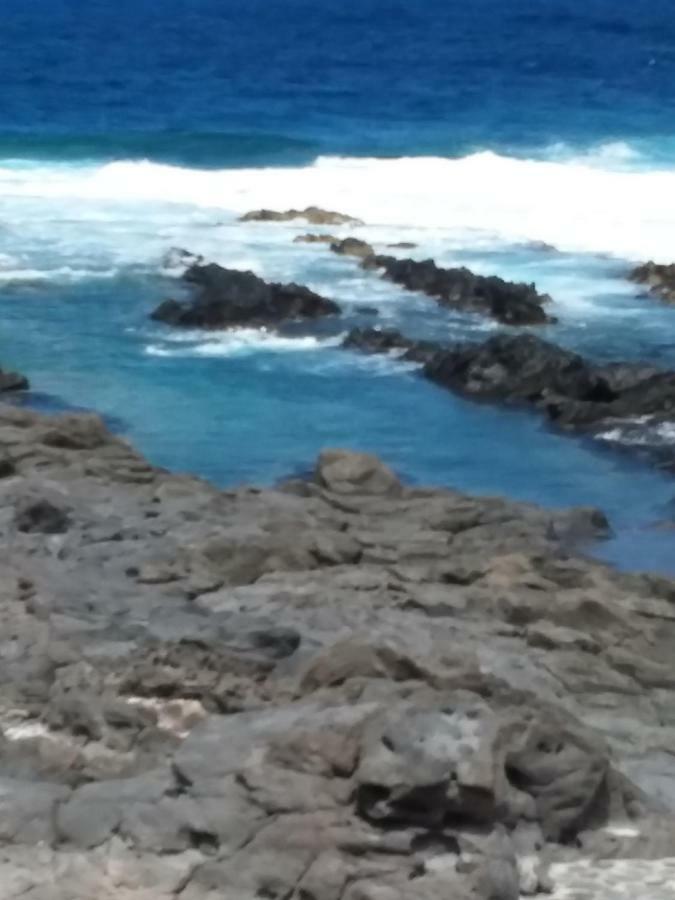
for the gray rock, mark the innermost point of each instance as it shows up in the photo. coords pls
(345, 687)
(352, 247)
(355, 473)
(313, 214)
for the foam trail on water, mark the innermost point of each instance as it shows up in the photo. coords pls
(595, 204)
(237, 342)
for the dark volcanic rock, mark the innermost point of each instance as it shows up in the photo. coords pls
(179, 258)
(352, 247)
(226, 298)
(570, 390)
(313, 214)
(660, 279)
(12, 381)
(342, 689)
(315, 239)
(385, 340)
(512, 304)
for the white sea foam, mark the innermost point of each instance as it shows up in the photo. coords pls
(236, 342)
(612, 154)
(581, 204)
(8, 262)
(61, 274)
(640, 431)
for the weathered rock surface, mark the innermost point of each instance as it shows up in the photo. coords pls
(630, 404)
(227, 298)
(505, 301)
(12, 381)
(352, 247)
(342, 689)
(313, 214)
(315, 239)
(660, 279)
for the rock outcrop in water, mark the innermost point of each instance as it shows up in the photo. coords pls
(505, 301)
(660, 279)
(612, 401)
(342, 689)
(352, 247)
(314, 239)
(313, 214)
(12, 381)
(227, 298)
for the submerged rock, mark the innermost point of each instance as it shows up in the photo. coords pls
(402, 245)
(505, 301)
(569, 390)
(12, 381)
(660, 279)
(179, 258)
(227, 298)
(388, 340)
(313, 214)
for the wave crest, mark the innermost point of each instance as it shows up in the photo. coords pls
(594, 204)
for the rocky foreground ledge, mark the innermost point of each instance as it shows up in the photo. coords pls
(341, 689)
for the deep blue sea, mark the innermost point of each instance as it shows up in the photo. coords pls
(534, 140)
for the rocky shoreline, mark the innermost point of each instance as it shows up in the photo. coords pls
(340, 689)
(659, 279)
(629, 406)
(574, 394)
(12, 381)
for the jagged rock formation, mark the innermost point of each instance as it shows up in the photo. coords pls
(312, 214)
(459, 288)
(660, 279)
(227, 298)
(630, 404)
(342, 689)
(314, 239)
(352, 247)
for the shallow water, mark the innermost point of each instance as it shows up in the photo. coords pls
(125, 131)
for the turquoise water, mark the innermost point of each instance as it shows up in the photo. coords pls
(477, 132)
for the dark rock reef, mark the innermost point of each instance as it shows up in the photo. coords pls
(572, 392)
(314, 239)
(227, 298)
(660, 279)
(388, 340)
(12, 381)
(505, 301)
(342, 689)
(313, 214)
(352, 246)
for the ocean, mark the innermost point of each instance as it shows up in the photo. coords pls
(527, 139)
